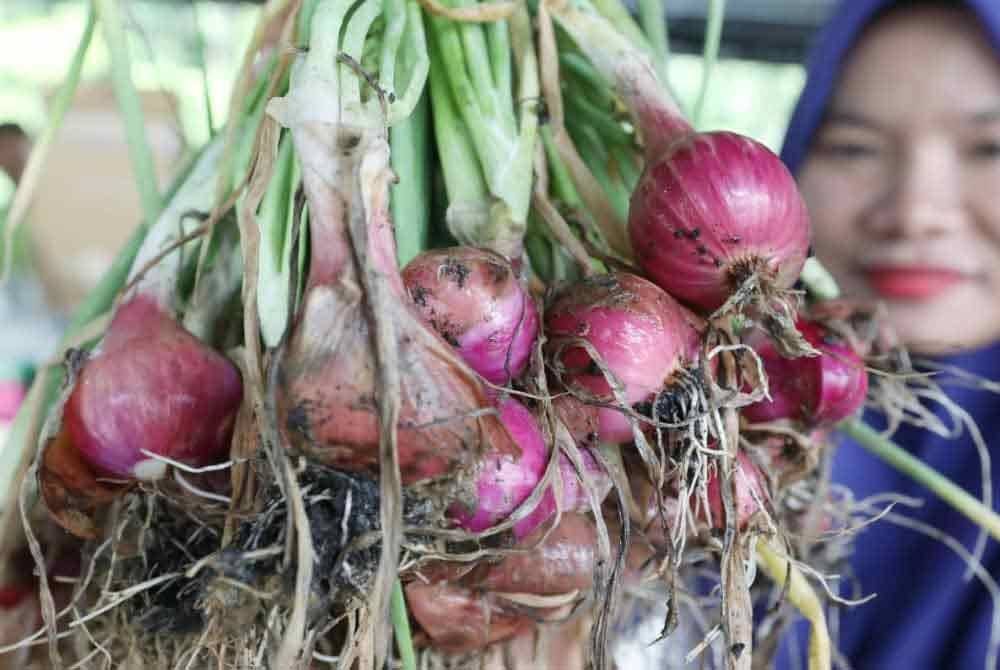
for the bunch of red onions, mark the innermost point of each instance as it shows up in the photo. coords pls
(509, 455)
(473, 298)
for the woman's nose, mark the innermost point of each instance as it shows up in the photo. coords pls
(923, 196)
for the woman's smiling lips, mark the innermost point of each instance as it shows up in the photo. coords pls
(912, 282)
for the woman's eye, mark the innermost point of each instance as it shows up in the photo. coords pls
(847, 150)
(985, 150)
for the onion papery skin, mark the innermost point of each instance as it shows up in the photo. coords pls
(712, 209)
(457, 620)
(152, 386)
(643, 336)
(327, 381)
(327, 392)
(473, 299)
(460, 607)
(503, 481)
(817, 390)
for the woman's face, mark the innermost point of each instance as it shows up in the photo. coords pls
(903, 179)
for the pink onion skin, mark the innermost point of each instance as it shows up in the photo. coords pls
(472, 297)
(504, 481)
(642, 334)
(580, 419)
(563, 562)
(710, 209)
(750, 486)
(573, 494)
(156, 387)
(817, 390)
(457, 619)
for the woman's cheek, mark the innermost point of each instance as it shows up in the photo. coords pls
(836, 228)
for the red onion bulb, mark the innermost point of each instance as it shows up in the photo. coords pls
(711, 210)
(643, 336)
(503, 481)
(152, 387)
(459, 620)
(472, 297)
(818, 390)
(464, 608)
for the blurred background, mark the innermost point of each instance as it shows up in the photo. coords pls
(186, 55)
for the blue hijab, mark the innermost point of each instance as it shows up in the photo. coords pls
(925, 615)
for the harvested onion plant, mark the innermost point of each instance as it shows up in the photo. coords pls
(457, 340)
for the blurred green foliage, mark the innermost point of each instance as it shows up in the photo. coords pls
(750, 97)
(37, 39)
(37, 42)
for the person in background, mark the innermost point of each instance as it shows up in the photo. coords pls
(14, 149)
(14, 376)
(31, 331)
(895, 143)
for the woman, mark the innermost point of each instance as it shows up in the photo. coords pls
(896, 146)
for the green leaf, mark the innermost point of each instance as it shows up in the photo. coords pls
(276, 221)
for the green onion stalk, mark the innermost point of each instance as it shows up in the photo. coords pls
(357, 91)
(486, 131)
(600, 129)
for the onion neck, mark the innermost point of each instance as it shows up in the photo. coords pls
(330, 252)
(375, 175)
(357, 187)
(156, 266)
(629, 68)
(141, 314)
(660, 120)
